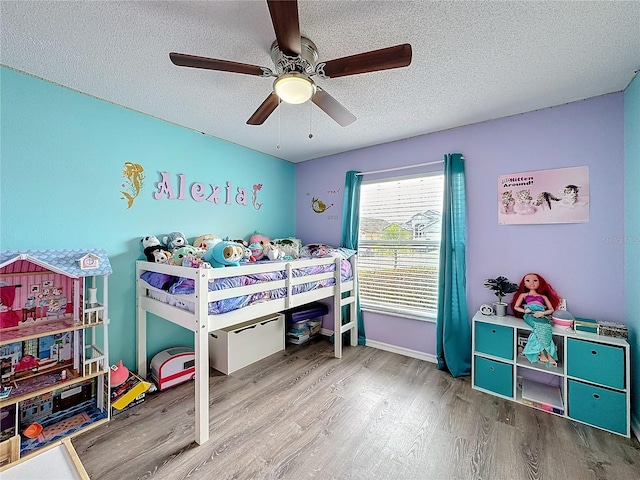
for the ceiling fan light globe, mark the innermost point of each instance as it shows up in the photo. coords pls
(294, 88)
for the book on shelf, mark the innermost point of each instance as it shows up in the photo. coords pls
(540, 395)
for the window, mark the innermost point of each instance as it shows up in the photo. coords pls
(399, 245)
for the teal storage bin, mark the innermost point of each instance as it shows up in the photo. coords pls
(595, 362)
(598, 406)
(494, 376)
(494, 340)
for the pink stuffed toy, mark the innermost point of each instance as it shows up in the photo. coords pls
(257, 237)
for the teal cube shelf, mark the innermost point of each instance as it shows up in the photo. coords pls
(494, 340)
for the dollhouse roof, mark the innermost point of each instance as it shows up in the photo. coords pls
(64, 262)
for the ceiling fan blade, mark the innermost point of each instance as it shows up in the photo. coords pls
(264, 110)
(184, 60)
(383, 59)
(333, 108)
(284, 16)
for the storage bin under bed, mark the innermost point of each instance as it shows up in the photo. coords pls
(304, 322)
(235, 347)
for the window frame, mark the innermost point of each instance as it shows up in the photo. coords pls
(428, 315)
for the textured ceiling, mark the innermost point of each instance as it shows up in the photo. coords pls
(472, 61)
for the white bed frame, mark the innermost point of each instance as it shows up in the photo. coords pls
(201, 323)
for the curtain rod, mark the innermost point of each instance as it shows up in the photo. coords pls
(400, 168)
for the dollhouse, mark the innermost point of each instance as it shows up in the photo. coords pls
(53, 344)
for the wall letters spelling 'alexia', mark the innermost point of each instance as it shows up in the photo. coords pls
(202, 192)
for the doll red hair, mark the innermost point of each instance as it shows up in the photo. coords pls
(544, 289)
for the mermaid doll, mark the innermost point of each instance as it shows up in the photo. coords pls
(534, 301)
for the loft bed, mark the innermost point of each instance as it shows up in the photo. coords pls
(208, 301)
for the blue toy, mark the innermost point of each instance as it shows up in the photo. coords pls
(181, 253)
(224, 254)
(257, 251)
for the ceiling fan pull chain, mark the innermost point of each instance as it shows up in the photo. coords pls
(310, 113)
(279, 125)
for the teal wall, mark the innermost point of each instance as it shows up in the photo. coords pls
(62, 160)
(632, 236)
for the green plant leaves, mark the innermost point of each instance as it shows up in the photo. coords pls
(500, 286)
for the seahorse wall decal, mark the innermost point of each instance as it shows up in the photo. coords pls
(254, 197)
(133, 174)
(319, 206)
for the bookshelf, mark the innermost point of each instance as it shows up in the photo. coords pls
(590, 384)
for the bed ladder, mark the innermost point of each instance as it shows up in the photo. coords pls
(338, 303)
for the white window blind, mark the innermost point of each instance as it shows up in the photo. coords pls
(399, 245)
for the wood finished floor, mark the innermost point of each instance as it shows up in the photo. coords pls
(302, 414)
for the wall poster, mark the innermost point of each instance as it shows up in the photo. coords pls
(560, 195)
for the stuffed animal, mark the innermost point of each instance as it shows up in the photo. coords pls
(247, 255)
(194, 262)
(182, 252)
(257, 237)
(174, 241)
(150, 241)
(272, 252)
(315, 250)
(157, 254)
(224, 254)
(257, 251)
(240, 241)
(206, 241)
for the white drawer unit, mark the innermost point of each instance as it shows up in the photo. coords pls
(235, 347)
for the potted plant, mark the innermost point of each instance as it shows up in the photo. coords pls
(501, 286)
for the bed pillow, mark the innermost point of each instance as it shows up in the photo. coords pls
(290, 246)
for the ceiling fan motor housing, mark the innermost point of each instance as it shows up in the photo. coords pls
(303, 63)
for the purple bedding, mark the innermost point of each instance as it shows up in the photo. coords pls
(179, 285)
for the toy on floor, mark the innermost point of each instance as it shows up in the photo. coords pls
(119, 374)
(173, 366)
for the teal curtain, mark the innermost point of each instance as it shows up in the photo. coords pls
(453, 329)
(350, 227)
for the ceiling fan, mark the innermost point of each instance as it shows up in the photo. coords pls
(296, 62)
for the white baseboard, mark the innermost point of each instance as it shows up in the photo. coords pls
(326, 332)
(635, 426)
(427, 357)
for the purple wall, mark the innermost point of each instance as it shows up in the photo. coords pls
(584, 262)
